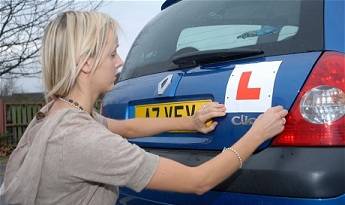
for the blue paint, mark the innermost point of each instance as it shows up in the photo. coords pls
(334, 25)
(218, 198)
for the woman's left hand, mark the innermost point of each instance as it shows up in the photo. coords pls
(202, 118)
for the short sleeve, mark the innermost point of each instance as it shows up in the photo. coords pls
(93, 153)
(100, 118)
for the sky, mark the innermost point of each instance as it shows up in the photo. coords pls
(132, 15)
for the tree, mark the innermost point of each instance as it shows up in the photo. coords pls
(21, 28)
(7, 87)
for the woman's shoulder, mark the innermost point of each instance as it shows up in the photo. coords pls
(77, 119)
(80, 131)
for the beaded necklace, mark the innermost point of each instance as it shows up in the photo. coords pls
(73, 103)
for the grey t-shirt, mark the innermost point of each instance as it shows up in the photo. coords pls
(83, 162)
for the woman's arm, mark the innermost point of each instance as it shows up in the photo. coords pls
(173, 176)
(140, 127)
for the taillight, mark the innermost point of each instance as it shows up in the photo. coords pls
(317, 118)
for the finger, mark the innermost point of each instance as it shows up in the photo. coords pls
(283, 120)
(283, 113)
(211, 115)
(218, 105)
(208, 105)
(211, 127)
(214, 104)
(277, 108)
(281, 129)
(260, 116)
(213, 109)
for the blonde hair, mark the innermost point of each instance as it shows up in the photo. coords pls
(69, 40)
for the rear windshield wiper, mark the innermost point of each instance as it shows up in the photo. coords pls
(196, 58)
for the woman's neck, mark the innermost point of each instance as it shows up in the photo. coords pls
(85, 100)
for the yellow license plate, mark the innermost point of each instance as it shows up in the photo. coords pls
(169, 109)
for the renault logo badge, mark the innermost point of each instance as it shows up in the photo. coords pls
(163, 85)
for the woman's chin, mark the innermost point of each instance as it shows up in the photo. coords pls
(110, 88)
(106, 89)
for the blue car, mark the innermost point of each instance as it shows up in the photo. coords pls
(249, 55)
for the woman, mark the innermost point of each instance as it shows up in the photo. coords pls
(69, 154)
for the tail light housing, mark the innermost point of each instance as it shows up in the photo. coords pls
(317, 118)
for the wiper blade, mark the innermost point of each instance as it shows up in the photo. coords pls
(196, 58)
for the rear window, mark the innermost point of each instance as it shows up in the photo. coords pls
(276, 27)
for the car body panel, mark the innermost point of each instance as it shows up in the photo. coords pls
(190, 84)
(334, 25)
(273, 175)
(128, 197)
(311, 176)
(278, 171)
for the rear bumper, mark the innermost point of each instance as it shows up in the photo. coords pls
(147, 197)
(310, 173)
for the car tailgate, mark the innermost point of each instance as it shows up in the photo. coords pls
(263, 82)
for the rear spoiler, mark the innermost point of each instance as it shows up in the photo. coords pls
(168, 3)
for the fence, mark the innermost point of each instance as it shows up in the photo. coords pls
(16, 117)
(16, 114)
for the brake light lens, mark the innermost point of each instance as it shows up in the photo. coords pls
(323, 104)
(317, 117)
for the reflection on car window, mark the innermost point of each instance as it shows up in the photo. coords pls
(216, 37)
(230, 36)
(287, 32)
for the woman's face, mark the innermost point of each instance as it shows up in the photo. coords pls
(105, 74)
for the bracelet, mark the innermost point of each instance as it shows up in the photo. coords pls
(236, 153)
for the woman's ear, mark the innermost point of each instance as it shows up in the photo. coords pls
(87, 67)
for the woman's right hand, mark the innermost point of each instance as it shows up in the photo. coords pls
(270, 123)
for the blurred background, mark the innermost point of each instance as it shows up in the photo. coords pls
(21, 28)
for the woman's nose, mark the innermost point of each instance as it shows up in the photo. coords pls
(118, 62)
